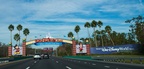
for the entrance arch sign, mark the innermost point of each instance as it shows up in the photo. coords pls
(47, 41)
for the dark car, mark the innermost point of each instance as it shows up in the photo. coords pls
(46, 56)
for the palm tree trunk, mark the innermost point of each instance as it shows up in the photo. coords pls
(89, 36)
(19, 39)
(17, 42)
(101, 37)
(77, 37)
(105, 41)
(102, 40)
(95, 40)
(11, 38)
(26, 38)
(111, 39)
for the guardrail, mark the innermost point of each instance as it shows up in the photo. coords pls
(5, 60)
(138, 60)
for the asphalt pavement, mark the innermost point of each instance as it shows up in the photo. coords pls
(65, 63)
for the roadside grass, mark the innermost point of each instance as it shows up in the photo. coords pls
(134, 61)
(118, 55)
(137, 59)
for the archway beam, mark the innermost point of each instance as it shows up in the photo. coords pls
(57, 40)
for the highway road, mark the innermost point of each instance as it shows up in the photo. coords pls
(64, 63)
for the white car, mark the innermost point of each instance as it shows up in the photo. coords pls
(37, 56)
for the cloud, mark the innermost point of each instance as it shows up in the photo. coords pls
(34, 9)
(61, 16)
(125, 9)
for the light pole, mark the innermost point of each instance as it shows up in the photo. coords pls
(56, 52)
(35, 50)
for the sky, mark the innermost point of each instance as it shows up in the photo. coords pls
(59, 17)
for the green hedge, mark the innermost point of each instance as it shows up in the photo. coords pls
(19, 57)
(78, 57)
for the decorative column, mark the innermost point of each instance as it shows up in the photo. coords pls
(10, 50)
(24, 47)
(74, 48)
(88, 49)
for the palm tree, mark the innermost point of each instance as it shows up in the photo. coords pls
(108, 30)
(86, 40)
(114, 36)
(70, 35)
(19, 28)
(99, 25)
(103, 34)
(16, 37)
(87, 25)
(94, 25)
(77, 29)
(83, 40)
(98, 36)
(26, 32)
(11, 28)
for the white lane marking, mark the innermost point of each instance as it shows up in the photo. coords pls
(27, 67)
(93, 64)
(116, 68)
(107, 66)
(35, 62)
(68, 67)
(56, 61)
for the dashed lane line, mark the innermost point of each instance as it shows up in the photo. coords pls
(35, 62)
(107, 66)
(57, 62)
(85, 62)
(68, 67)
(28, 68)
(93, 64)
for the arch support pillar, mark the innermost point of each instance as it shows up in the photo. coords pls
(88, 49)
(74, 48)
(10, 51)
(24, 48)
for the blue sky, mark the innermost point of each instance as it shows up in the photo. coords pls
(58, 17)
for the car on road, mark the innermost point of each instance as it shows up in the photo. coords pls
(37, 56)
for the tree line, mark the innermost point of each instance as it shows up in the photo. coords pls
(109, 37)
(3, 49)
